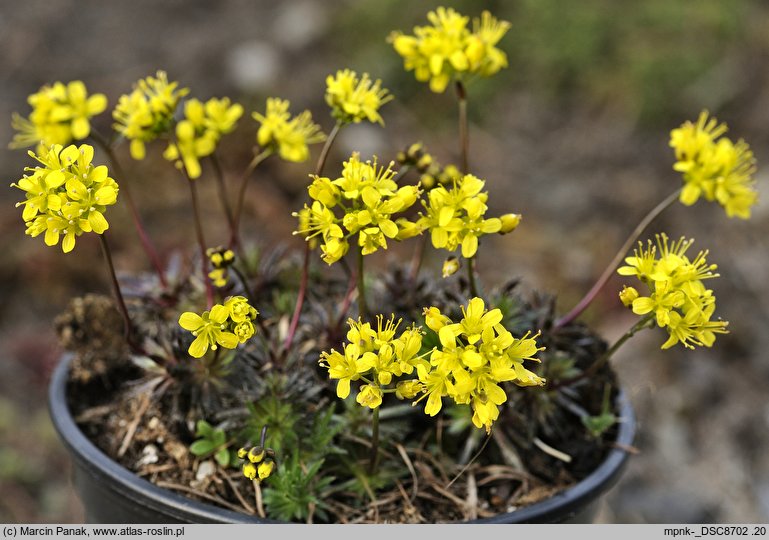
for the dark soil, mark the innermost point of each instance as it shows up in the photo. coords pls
(145, 418)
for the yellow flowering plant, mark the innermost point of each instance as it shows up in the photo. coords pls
(348, 385)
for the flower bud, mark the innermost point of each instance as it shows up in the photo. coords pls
(509, 222)
(450, 267)
(627, 295)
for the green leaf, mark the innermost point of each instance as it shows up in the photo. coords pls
(204, 429)
(202, 447)
(223, 457)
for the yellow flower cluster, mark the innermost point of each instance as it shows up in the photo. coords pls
(67, 196)
(353, 99)
(287, 136)
(221, 259)
(199, 133)
(678, 299)
(475, 355)
(375, 356)
(148, 111)
(714, 167)
(60, 114)
(361, 202)
(259, 462)
(456, 217)
(225, 324)
(448, 50)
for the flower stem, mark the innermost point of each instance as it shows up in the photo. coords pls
(306, 263)
(223, 194)
(127, 326)
(323, 157)
(146, 243)
(299, 298)
(235, 225)
(471, 276)
(646, 322)
(464, 137)
(362, 308)
(607, 273)
(374, 457)
(201, 243)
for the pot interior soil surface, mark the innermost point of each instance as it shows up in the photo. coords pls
(144, 410)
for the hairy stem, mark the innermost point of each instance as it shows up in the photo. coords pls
(607, 273)
(144, 239)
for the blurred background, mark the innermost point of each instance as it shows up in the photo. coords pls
(573, 135)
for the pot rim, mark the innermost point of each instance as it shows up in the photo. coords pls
(173, 505)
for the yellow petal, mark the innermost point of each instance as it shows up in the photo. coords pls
(190, 321)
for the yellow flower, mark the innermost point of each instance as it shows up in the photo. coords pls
(448, 50)
(353, 99)
(209, 329)
(344, 368)
(714, 167)
(67, 196)
(369, 396)
(677, 296)
(456, 217)
(199, 133)
(473, 357)
(363, 200)
(60, 114)
(287, 136)
(221, 117)
(147, 112)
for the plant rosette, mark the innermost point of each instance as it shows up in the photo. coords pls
(309, 386)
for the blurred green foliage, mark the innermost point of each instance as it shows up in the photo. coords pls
(644, 56)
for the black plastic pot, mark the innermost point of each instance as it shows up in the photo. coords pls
(112, 494)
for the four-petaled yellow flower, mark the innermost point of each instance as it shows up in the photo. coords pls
(148, 111)
(678, 299)
(289, 137)
(714, 167)
(60, 114)
(449, 50)
(67, 196)
(353, 99)
(225, 324)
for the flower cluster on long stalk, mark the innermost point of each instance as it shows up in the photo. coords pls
(60, 114)
(66, 195)
(677, 296)
(361, 202)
